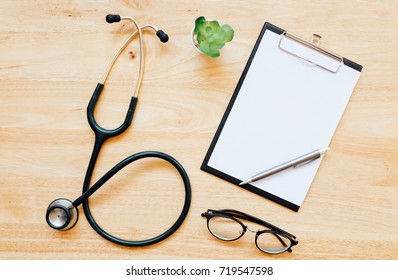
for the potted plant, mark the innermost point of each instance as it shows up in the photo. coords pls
(209, 37)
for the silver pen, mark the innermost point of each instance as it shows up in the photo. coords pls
(304, 159)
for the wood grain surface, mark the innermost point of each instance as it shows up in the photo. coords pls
(52, 54)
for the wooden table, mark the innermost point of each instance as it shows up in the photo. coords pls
(53, 53)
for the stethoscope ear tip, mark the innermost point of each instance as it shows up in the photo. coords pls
(112, 18)
(162, 36)
(61, 214)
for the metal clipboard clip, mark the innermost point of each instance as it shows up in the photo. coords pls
(303, 49)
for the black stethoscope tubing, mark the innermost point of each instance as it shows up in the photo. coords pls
(62, 214)
(118, 167)
(101, 134)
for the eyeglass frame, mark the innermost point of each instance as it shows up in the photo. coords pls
(235, 214)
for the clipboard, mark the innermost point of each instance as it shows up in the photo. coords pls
(288, 102)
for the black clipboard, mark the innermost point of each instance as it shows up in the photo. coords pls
(223, 175)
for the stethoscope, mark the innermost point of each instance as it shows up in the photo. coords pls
(62, 214)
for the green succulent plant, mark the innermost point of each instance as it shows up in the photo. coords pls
(211, 37)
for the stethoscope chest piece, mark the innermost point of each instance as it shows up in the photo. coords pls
(61, 214)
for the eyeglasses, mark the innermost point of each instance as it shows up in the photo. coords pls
(225, 225)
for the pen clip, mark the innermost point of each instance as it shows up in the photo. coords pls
(306, 162)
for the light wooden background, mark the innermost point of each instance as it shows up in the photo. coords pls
(52, 53)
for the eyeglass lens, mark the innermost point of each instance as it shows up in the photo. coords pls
(225, 228)
(228, 229)
(272, 243)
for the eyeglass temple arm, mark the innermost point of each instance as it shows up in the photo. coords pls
(239, 214)
(281, 241)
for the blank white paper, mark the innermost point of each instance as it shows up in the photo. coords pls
(286, 107)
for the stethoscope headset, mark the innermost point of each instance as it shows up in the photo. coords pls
(62, 214)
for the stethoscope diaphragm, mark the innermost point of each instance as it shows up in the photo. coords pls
(61, 214)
